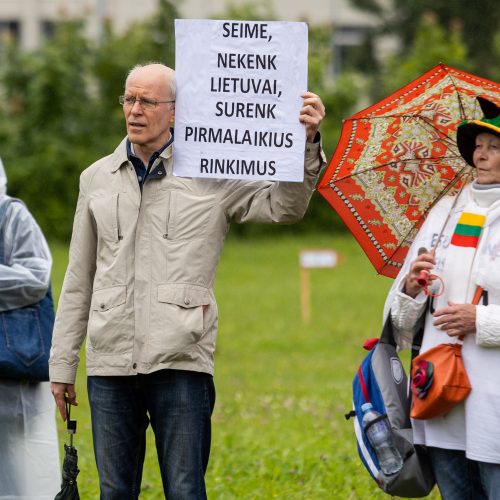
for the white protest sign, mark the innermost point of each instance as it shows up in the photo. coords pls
(238, 99)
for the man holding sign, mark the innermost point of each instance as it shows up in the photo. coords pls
(139, 285)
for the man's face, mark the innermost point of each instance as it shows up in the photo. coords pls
(148, 128)
(486, 158)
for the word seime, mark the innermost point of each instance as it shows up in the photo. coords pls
(244, 30)
(259, 138)
(245, 110)
(246, 61)
(243, 85)
(236, 167)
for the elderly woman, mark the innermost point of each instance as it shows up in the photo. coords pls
(29, 456)
(464, 445)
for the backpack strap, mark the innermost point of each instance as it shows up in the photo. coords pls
(387, 335)
(480, 293)
(418, 334)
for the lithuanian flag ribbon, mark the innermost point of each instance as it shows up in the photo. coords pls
(468, 230)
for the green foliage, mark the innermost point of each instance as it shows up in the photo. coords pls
(432, 45)
(339, 97)
(257, 10)
(478, 22)
(495, 49)
(60, 109)
(48, 121)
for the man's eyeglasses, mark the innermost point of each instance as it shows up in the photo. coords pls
(145, 103)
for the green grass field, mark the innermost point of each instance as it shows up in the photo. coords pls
(283, 387)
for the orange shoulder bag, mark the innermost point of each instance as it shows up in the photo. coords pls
(439, 379)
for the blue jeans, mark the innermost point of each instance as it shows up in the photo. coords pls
(459, 478)
(179, 405)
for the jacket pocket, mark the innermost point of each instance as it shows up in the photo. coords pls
(107, 319)
(107, 298)
(22, 334)
(189, 215)
(106, 216)
(177, 320)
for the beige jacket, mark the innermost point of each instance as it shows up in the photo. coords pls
(139, 283)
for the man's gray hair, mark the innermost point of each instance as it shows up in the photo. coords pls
(169, 74)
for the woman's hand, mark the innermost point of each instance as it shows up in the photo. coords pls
(424, 262)
(456, 319)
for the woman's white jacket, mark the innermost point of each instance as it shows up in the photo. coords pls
(473, 425)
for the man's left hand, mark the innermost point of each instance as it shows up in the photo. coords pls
(311, 114)
(456, 319)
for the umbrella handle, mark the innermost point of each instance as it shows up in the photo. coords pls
(70, 423)
(423, 278)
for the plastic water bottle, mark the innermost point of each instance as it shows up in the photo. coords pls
(380, 436)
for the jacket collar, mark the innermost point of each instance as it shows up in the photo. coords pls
(120, 158)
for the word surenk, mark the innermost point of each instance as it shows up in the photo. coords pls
(245, 110)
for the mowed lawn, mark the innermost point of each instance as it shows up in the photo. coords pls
(283, 386)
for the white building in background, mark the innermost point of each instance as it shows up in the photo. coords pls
(30, 22)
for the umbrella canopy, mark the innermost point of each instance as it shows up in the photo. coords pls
(397, 158)
(69, 488)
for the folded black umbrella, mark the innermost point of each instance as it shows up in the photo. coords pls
(69, 487)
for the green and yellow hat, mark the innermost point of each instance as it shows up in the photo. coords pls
(468, 130)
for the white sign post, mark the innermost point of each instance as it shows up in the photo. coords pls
(312, 259)
(238, 99)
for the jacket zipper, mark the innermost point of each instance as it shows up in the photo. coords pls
(167, 217)
(118, 227)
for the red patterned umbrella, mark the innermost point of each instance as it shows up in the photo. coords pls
(397, 158)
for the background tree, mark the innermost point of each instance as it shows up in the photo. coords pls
(60, 111)
(432, 44)
(48, 132)
(339, 97)
(479, 23)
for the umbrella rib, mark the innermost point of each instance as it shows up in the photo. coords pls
(465, 170)
(417, 160)
(459, 97)
(444, 137)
